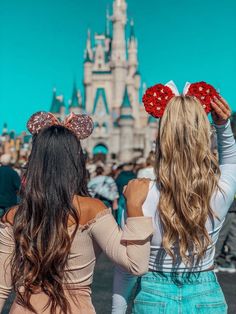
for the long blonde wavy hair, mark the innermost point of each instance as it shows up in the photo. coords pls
(187, 175)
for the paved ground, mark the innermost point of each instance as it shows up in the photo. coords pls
(103, 284)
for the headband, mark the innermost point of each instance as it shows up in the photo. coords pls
(157, 97)
(80, 124)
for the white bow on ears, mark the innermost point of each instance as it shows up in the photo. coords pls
(174, 88)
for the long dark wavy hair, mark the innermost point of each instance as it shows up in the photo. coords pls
(55, 173)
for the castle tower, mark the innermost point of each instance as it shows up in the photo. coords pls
(5, 129)
(88, 66)
(151, 134)
(62, 107)
(99, 54)
(133, 79)
(75, 104)
(88, 48)
(54, 105)
(107, 32)
(118, 55)
(126, 123)
(58, 106)
(132, 51)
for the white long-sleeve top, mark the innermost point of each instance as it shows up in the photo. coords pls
(220, 203)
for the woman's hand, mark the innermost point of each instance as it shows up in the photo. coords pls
(136, 193)
(221, 112)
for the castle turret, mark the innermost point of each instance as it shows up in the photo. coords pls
(99, 56)
(133, 78)
(133, 57)
(75, 104)
(126, 123)
(54, 105)
(107, 33)
(62, 107)
(88, 66)
(118, 55)
(151, 134)
(5, 129)
(132, 51)
(57, 105)
(88, 49)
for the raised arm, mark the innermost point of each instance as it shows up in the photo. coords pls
(6, 249)
(222, 200)
(226, 144)
(225, 138)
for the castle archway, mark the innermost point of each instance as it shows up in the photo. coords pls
(100, 152)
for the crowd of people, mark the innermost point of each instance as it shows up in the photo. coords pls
(106, 182)
(167, 222)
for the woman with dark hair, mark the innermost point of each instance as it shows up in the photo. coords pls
(49, 243)
(188, 202)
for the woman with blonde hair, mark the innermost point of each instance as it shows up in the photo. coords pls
(50, 242)
(188, 203)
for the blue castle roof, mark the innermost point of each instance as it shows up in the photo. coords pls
(100, 93)
(126, 101)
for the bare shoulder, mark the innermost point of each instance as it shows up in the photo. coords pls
(89, 208)
(10, 215)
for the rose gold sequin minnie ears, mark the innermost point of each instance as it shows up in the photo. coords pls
(80, 124)
(40, 120)
(157, 97)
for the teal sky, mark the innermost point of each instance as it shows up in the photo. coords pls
(42, 44)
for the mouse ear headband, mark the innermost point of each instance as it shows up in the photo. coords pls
(80, 124)
(157, 97)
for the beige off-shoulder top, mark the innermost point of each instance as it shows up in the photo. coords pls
(130, 248)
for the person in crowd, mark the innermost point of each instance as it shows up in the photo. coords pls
(148, 171)
(9, 184)
(188, 204)
(104, 188)
(56, 233)
(225, 255)
(126, 174)
(139, 164)
(115, 170)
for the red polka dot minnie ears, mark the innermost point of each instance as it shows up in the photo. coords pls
(157, 97)
(80, 124)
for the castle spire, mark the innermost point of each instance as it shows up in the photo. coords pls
(88, 42)
(74, 98)
(75, 103)
(88, 51)
(107, 31)
(132, 34)
(132, 51)
(118, 51)
(4, 130)
(119, 22)
(54, 104)
(126, 101)
(126, 112)
(126, 123)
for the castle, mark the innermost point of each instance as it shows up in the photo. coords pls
(112, 92)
